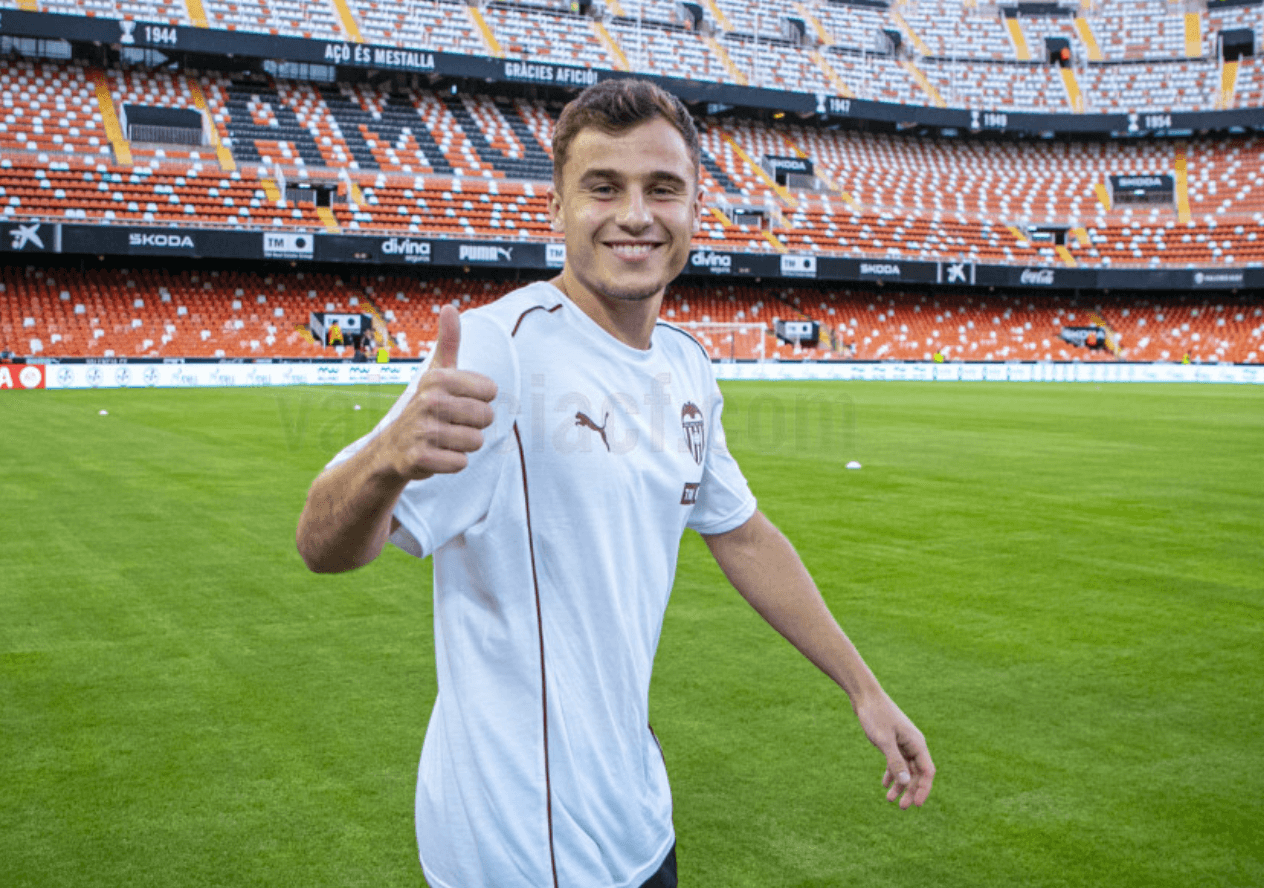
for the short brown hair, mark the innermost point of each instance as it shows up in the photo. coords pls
(616, 106)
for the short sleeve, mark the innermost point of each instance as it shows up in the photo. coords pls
(434, 511)
(725, 501)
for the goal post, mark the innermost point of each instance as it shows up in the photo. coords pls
(729, 341)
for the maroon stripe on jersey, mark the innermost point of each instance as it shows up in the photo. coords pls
(544, 691)
(528, 311)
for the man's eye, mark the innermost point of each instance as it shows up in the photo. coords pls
(602, 190)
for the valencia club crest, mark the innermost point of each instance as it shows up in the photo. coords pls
(691, 420)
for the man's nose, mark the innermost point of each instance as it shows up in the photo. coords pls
(634, 211)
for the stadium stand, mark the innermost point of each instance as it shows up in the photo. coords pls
(291, 17)
(392, 160)
(946, 29)
(1130, 56)
(408, 156)
(422, 24)
(671, 52)
(547, 34)
(1148, 29)
(163, 11)
(157, 313)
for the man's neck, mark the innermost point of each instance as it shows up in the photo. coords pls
(631, 321)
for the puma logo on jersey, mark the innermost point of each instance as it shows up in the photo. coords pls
(582, 419)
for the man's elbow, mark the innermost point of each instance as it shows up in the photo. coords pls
(743, 539)
(324, 559)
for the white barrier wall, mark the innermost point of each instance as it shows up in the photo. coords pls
(991, 372)
(180, 375)
(78, 376)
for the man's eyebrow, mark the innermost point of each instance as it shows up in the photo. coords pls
(670, 178)
(599, 174)
(657, 177)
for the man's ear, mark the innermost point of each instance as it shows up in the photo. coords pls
(555, 209)
(697, 208)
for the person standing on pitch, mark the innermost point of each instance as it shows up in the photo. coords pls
(550, 456)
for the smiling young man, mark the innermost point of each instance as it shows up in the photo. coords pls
(551, 468)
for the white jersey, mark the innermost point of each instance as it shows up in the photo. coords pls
(554, 555)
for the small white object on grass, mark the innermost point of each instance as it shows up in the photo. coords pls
(853, 465)
(357, 406)
(105, 413)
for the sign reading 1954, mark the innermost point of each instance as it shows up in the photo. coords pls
(158, 34)
(1158, 121)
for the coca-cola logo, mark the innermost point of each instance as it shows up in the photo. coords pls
(1042, 277)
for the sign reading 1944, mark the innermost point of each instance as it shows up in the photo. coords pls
(159, 34)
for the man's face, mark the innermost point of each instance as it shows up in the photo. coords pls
(629, 206)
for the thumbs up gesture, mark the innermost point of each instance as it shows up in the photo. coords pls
(444, 419)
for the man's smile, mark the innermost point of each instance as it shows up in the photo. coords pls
(631, 249)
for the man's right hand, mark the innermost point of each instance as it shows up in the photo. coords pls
(444, 419)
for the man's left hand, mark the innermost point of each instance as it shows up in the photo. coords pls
(910, 771)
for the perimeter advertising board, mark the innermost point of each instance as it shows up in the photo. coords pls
(16, 377)
(191, 373)
(170, 240)
(30, 237)
(226, 374)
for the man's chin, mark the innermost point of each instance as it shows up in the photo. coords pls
(632, 294)
(610, 287)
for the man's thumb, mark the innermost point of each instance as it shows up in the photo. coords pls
(897, 772)
(449, 341)
(897, 769)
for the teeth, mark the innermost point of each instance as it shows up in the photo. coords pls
(632, 251)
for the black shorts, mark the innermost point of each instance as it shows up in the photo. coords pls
(666, 875)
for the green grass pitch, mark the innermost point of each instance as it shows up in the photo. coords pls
(1062, 584)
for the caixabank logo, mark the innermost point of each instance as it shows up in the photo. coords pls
(24, 236)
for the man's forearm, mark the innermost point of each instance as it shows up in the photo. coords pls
(347, 517)
(764, 567)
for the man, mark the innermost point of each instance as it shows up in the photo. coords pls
(551, 467)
